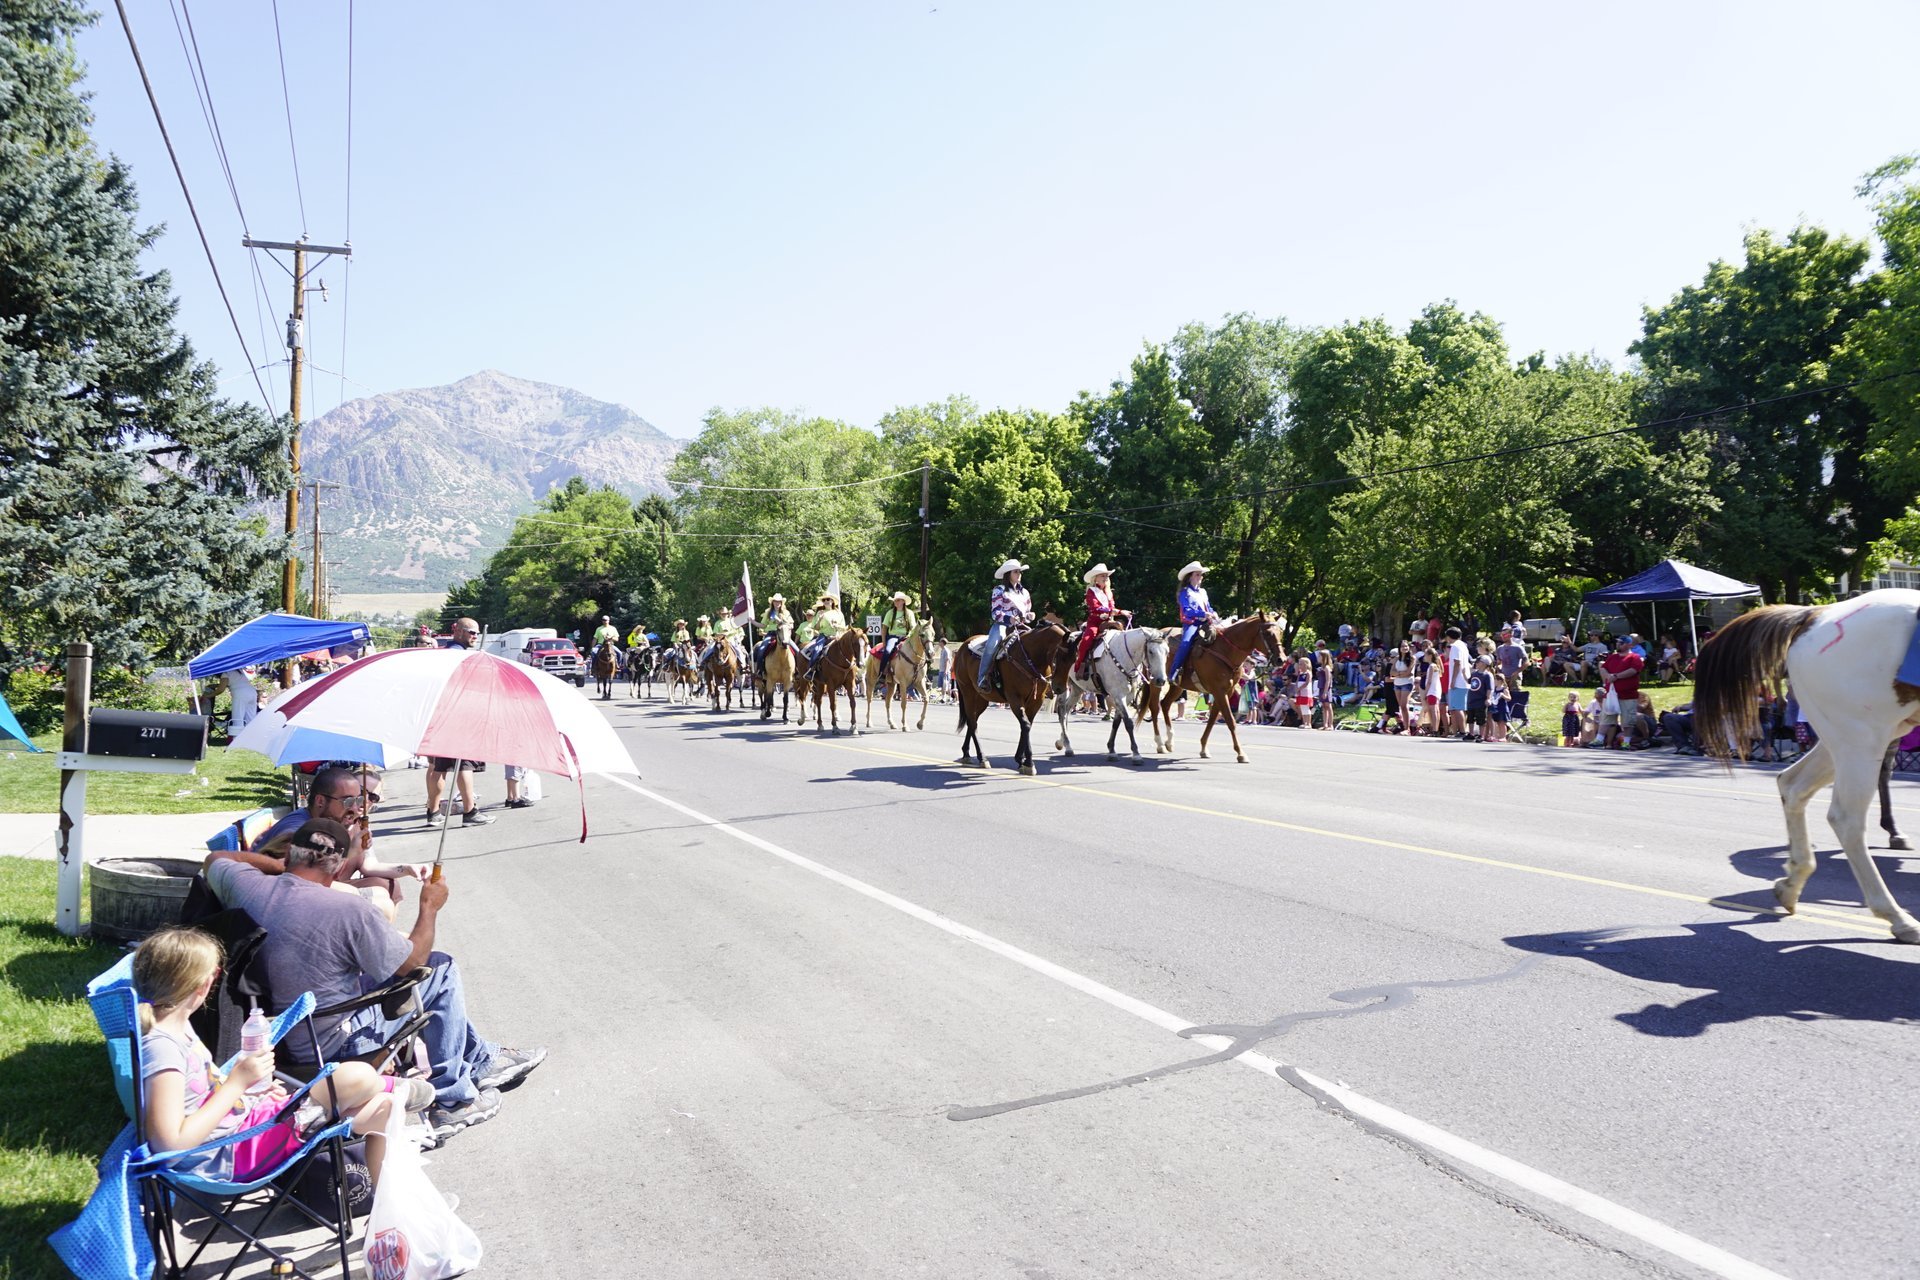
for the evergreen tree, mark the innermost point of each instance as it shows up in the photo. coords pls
(124, 478)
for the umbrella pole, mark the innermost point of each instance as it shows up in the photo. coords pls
(440, 848)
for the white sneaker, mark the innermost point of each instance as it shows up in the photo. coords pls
(435, 818)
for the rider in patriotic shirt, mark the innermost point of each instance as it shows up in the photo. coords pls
(1195, 612)
(1100, 610)
(1010, 605)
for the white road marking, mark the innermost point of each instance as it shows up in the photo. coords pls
(1707, 1257)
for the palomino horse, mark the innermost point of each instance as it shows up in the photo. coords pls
(779, 675)
(1842, 660)
(1125, 656)
(721, 671)
(906, 673)
(839, 668)
(1214, 670)
(1026, 677)
(605, 665)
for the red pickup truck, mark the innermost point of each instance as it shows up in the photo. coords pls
(556, 657)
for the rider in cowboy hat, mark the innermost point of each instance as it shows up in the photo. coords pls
(1010, 604)
(1100, 610)
(1195, 612)
(895, 626)
(777, 617)
(828, 623)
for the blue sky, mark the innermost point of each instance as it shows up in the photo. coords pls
(842, 207)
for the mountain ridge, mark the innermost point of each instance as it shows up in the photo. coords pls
(431, 479)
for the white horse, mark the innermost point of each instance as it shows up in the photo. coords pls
(1842, 660)
(1124, 657)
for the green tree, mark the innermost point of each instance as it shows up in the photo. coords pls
(790, 497)
(1884, 344)
(1796, 502)
(125, 480)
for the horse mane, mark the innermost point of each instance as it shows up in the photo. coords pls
(1734, 665)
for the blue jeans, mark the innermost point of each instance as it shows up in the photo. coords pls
(1187, 635)
(459, 1054)
(987, 651)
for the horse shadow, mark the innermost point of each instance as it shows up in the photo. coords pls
(922, 777)
(1744, 975)
(1832, 882)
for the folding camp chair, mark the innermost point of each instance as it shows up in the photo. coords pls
(134, 1180)
(1517, 714)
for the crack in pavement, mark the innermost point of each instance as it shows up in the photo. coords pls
(1245, 1037)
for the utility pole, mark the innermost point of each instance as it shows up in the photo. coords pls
(315, 598)
(296, 351)
(926, 527)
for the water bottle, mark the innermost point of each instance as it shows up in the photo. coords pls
(255, 1036)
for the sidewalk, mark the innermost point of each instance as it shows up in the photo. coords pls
(173, 835)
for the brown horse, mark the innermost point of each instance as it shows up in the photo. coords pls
(605, 664)
(1214, 670)
(840, 665)
(1026, 681)
(722, 670)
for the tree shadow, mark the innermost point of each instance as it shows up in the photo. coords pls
(1745, 975)
(55, 968)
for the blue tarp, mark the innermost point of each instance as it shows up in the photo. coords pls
(10, 726)
(1672, 580)
(275, 635)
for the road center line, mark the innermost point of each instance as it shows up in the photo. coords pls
(1807, 914)
(1710, 1258)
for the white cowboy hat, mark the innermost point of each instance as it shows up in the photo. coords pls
(776, 596)
(1096, 571)
(1193, 566)
(898, 595)
(1008, 568)
(703, 618)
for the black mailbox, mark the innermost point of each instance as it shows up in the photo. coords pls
(147, 735)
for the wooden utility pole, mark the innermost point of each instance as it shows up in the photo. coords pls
(296, 355)
(926, 527)
(316, 599)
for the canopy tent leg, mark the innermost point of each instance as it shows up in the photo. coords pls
(1653, 636)
(1693, 630)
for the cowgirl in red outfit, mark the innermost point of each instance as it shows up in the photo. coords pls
(1100, 609)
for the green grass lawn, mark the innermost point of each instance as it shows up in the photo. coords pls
(60, 1110)
(30, 783)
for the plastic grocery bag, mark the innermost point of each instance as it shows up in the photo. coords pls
(412, 1233)
(530, 788)
(1610, 705)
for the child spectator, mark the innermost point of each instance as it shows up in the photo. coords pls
(1499, 709)
(1570, 721)
(1479, 688)
(1669, 666)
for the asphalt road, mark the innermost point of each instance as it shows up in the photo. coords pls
(839, 1007)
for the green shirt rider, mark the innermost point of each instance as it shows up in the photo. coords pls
(828, 623)
(777, 617)
(896, 625)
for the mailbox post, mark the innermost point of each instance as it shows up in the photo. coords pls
(120, 741)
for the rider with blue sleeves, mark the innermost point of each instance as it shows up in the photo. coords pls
(1195, 612)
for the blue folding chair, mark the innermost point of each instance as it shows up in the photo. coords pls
(109, 1241)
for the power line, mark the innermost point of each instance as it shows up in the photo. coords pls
(187, 194)
(810, 488)
(286, 97)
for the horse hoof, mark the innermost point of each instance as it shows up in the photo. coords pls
(1026, 771)
(1111, 757)
(1908, 932)
(1786, 895)
(1241, 759)
(1898, 842)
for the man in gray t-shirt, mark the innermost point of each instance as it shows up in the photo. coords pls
(338, 945)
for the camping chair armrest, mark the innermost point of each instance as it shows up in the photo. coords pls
(241, 1135)
(392, 996)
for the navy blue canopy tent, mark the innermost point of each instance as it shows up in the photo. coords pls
(273, 636)
(1669, 580)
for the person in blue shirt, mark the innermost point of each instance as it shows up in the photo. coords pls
(1195, 612)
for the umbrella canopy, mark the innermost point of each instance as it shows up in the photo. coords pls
(272, 636)
(274, 737)
(1672, 580)
(464, 704)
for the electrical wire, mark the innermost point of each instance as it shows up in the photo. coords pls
(286, 97)
(154, 102)
(810, 488)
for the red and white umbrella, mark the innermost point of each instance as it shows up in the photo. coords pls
(464, 704)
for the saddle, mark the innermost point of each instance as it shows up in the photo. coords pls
(978, 644)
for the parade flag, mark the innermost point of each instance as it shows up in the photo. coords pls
(833, 586)
(743, 598)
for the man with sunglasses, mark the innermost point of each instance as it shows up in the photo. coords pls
(340, 796)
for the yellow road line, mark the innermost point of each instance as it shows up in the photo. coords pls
(1812, 915)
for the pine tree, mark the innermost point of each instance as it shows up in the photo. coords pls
(126, 483)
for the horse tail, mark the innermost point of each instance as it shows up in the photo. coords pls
(1734, 666)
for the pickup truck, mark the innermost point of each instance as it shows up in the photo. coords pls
(556, 657)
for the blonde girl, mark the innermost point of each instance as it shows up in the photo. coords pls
(188, 1103)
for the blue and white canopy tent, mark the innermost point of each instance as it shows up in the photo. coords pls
(10, 726)
(273, 636)
(1669, 580)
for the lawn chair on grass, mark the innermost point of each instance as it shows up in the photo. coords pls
(1517, 724)
(129, 1221)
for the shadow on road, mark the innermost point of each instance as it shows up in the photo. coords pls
(1744, 974)
(1832, 882)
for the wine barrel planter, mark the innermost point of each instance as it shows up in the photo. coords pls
(134, 896)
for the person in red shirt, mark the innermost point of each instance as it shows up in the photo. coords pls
(1100, 610)
(1620, 671)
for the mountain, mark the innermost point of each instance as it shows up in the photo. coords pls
(433, 478)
